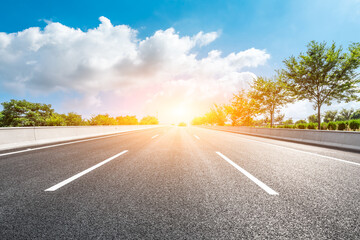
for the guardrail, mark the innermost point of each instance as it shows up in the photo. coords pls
(335, 139)
(17, 137)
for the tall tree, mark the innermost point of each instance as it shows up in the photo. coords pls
(345, 114)
(271, 95)
(20, 113)
(330, 116)
(356, 114)
(216, 115)
(323, 74)
(242, 109)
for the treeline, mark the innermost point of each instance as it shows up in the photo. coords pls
(21, 113)
(321, 75)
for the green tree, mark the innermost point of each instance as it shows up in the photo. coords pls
(127, 120)
(56, 120)
(288, 122)
(102, 119)
(217, 115)
(279, 118)
(313, 118)
(19, 113)
(323, 74)
(301, 121)
(345, 114)
(149, 120)
(356, 114)
(271, 95)
(198, 121)
(330, 116)
(73, 119)
(242, 109)
(1, 119)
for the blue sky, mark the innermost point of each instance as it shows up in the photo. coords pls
(280, 28)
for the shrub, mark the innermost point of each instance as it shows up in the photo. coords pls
(324, 126)
(301, 126)
(342, 126)
(331, 126)
(354, 124)
(311, 125)
(300, 121)
(289, 126)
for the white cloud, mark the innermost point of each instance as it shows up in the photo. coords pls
(113, 60)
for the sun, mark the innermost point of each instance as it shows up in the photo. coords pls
(179, 111)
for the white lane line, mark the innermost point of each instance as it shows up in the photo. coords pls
(67, 143)
(251, 177)
(196, 137)
(155, 136)
(315, 154)
(63, 183)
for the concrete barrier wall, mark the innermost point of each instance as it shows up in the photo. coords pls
(16, 137)
(337, 139)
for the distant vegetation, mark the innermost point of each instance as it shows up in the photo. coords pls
(21, 113)
(321, 75)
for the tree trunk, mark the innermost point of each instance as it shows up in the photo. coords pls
(319, 117)
(271, 119)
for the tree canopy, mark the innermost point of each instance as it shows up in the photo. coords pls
(17, 113)
(323, 74)
(270, 95)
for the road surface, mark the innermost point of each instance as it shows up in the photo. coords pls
(180, 183)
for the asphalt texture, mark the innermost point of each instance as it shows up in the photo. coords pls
(172, 184)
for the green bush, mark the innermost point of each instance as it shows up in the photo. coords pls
(301, 126)
(289, 126)
(324, 126)
(331, 125)
(354, 124)
(311, 125)
(342, 125)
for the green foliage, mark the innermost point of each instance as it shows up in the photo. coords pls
(149, 120)
(311, 125)
(330, 116)
(216, 115)
(198, 121)
(356, 114)
(312, 118)
(73, 119)
(301, 126)
(182, 124)
(300, 121)
(323, 74)
(270, 95)
(332, 126)
(354, 125)
(288, 126)
(19, 113)
(342, 125)
(242, 109)
(56, 120)
(288, 122)
(345, 114)
(102, 119)
(127, 120)
(324, 126)
(1, 119)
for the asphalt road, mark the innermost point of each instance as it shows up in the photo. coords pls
(180, 183)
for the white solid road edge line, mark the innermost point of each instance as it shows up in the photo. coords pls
(251, 177)
(155, 136)
(63, 183)
(77, 141)
(196, 137)
(310, 153)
